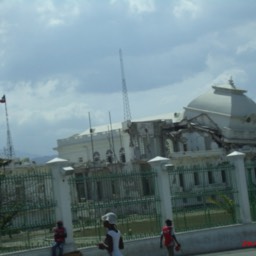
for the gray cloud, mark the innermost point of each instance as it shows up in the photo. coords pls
(60, 60)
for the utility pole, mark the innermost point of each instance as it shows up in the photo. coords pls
(126, 105)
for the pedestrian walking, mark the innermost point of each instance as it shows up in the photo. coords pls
(113, 241)
(169, 237)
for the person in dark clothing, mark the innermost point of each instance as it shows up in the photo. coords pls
(59, 239)
(169, 238)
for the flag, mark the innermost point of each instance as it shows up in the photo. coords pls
(3, 99)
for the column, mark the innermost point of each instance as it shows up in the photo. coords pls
(237, 158)
(61, 189)
(161, 165)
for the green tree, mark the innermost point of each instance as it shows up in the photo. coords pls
(226, 203)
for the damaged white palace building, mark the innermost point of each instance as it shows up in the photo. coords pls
(210, 126)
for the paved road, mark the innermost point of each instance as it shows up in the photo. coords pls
(242, 252)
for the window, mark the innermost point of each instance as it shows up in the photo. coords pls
(88, 188)
(223, 176)
(176, 146)
(99, 190)
(122, 155)
(199, 199)
(113, 187)
(80, 187)
(109, 156)
(96, 156)
(147, 186)
(207, 141)
(210, 177)
(80, 159)
(196, 178)
(213, 197)
(181, 180)
(20, 191)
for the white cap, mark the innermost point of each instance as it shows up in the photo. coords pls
(110, 217)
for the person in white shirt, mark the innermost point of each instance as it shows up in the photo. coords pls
(113, 241)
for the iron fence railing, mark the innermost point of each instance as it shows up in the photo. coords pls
(27, 211)
(131, 195)
(251, 185)
(203, 197)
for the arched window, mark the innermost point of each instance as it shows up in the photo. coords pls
(96, 156)
(109, 156)
(122, 155)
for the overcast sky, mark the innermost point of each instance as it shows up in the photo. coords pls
(59, 61)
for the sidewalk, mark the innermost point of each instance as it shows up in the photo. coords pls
(241, 252)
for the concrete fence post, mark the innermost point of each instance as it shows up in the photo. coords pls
(161, 165)
(237, 158)
(61, 189)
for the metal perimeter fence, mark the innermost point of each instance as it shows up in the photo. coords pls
(27, 210)
(201, 197)
(251, 184)
(131, 195)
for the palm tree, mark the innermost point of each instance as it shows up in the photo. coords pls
(226, 203)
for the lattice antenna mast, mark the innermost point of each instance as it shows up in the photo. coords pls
(126, 105)
(9, 150)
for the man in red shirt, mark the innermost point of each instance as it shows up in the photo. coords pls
(59, 239)
(169, 238)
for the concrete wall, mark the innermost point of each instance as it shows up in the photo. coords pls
(193, 243)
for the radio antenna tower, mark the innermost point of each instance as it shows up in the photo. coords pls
(126, 105)
(9, 150)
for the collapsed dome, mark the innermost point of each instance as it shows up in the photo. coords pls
(226, 105)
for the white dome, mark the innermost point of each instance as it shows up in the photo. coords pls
(224, 100)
